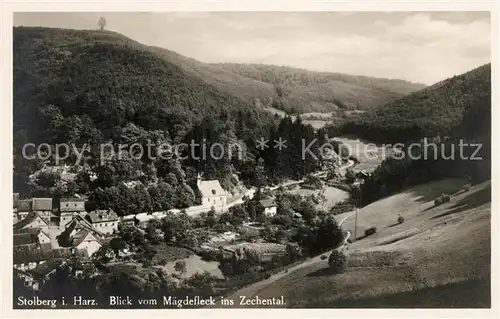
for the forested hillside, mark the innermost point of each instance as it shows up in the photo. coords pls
(299, 90)
(454, 118)
(461, 103)
(89, 88)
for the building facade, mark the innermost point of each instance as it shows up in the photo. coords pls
(213, 195)
(106, 221)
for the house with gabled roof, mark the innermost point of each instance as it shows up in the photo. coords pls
(86, 240)
(70, 207)
(43, 206)
(213, 195)
(81, 235)
(31, 237)
(269, 207)
(32, 220)
(104, 220)
(24, 207)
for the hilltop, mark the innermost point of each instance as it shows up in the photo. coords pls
(457, 106)
(439, 256)
(107, 81)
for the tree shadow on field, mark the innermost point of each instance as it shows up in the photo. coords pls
(472, 201)
(425, 194)
(321, 272)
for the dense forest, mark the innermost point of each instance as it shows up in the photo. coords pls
(450, 113)
(299, 90)
(434, 111)
(88, 88)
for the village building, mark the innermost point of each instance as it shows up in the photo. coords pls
(69, 208)
(24, 207)
(104, 220)
(32, 220)
(213, 195)
(31, 238)
(143, 219)
(33, 277)
(127, 221)
(81, 235)
(269, 207)
(43, 206)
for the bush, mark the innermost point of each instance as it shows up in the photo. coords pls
(267, 275)
(370, 231)
(438, 201)
(337, 262)
(323, 257)
(442, 199)
(401, 219)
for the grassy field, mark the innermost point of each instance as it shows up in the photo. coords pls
(369, 155)
(194, 264)
(439, 257)
(332, 194)
(171, 253)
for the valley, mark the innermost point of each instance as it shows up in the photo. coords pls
(314, 206)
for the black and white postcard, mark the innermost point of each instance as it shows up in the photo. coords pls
(250, 159)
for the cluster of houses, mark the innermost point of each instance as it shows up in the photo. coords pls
(46, 233)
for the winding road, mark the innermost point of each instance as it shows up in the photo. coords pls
(250, 193)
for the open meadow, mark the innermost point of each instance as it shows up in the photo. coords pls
(438, 257)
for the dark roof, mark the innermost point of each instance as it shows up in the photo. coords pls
(15, 200)
(268, 202)
(73, 199)
(25, 239)
(24, 205)
(40, 204)
(28, 220)
(80, 223)
(46, 268)
(24, 254)
(28, 231)
(79, 237)
(69, 205)
(102, 215)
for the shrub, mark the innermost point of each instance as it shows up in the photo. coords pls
(267, 275)
(337, 262)
(323, 257)
(401, 219)
(438, 201)
(370, 231)
(445, 198)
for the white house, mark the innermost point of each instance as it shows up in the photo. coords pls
(32, 220)
(270, 208)
(143, 219)
(69, 208)
(106, 221)
(43, 206)
(213, 195)
(81, 235)
(85, 240)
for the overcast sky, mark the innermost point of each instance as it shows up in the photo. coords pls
(419, 46)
